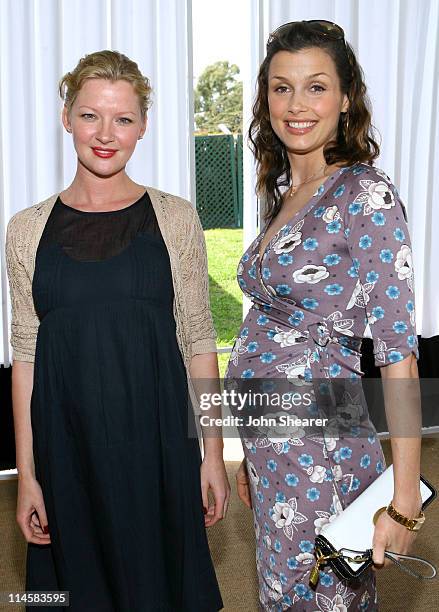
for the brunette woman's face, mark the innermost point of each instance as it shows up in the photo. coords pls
(106, 123)
(304, 99)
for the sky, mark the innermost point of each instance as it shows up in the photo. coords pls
(216, 26)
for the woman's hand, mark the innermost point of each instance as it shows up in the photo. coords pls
(242, 484)
(214, 477)
(390, 535)
(31, 512)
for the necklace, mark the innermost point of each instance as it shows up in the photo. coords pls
(294, 188)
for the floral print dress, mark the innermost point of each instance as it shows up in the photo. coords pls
(339, 270)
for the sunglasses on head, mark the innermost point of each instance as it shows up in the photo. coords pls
(321, 26)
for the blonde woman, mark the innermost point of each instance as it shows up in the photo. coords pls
(110, 315)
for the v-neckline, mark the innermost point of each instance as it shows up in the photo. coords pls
(302, 211)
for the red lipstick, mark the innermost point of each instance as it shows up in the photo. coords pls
(104, 153)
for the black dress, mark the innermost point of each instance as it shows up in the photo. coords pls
(120, 476)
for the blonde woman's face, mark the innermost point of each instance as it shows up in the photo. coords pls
(106, 123)
(304, 99)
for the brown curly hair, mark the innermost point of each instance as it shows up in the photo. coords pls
(110, 65)
(355, 135)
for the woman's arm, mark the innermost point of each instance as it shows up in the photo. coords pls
(404, 417)
(22, 384)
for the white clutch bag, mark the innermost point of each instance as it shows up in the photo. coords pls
(345, 544)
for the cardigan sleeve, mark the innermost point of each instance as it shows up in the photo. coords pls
(24, 322)
(195, 283)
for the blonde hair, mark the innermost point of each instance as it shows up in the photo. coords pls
(110, 65)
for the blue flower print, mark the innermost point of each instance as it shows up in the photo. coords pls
(280, 497)
(252, 272)
(353, 272)
(265, 482)
(345, 452)
(244, 332)
(379, 467)
(354, 208)
(400, 327)
(365, 242)
(339, 191)
(395, 356)
(260, 497)
(285, 259)
(326, 580)
(320, 190)
(399, 234)
(267, 357)
(266, 307)
(378, 218)
(410, 306)
(296, 318)
(319, 212)
(309, 303)
(355, 484)
(313, 494)
(371, 439)
(272, 465)
(271, 334)
(292, 563)
(386, 255)
(291, 480)
(310, 244)
(411, 341)
(378, 312)
(305, 460)
(283, 289)
(272, 560)
(358, 170)
(277, 546)
(392, 292)
(245, 257)
(252, 347)
(334, 370)
(283, 578)
(262, 320)
(333, 227)
(306, 546)
(266, 273)
(300, 589)
(242, 283)
(365, 461)
(248, 373)
(347, 232)
(332, 260)
(344, 488)
(334, 289)
(372, 276)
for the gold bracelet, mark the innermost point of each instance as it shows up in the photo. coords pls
(412, 524)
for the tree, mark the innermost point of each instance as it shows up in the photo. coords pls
(218, 98)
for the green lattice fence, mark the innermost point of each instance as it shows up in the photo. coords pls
(218, 163)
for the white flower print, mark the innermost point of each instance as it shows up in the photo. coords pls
(305, 558)
(340, 324)
(278, 441)
(404, 265)
(337, 472)
(267, 542)
(316, 473)
(274, 588)
(295, 371)
(360, 295)
(287, 338)
(339, 603)
(331, 214)
(238, 349)
(287, 243)
(326, 517)
(286, 517)
(310, 274)
(240, 269)
(377, 195)
(254, 476)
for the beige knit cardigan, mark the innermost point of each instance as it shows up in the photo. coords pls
(183, 235)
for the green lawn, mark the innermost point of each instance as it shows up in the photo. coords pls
(224, 249)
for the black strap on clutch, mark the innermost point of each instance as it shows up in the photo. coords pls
(337, 559)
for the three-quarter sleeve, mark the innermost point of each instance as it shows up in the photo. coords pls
(195, 283)
(24, 322)
(379, 243)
